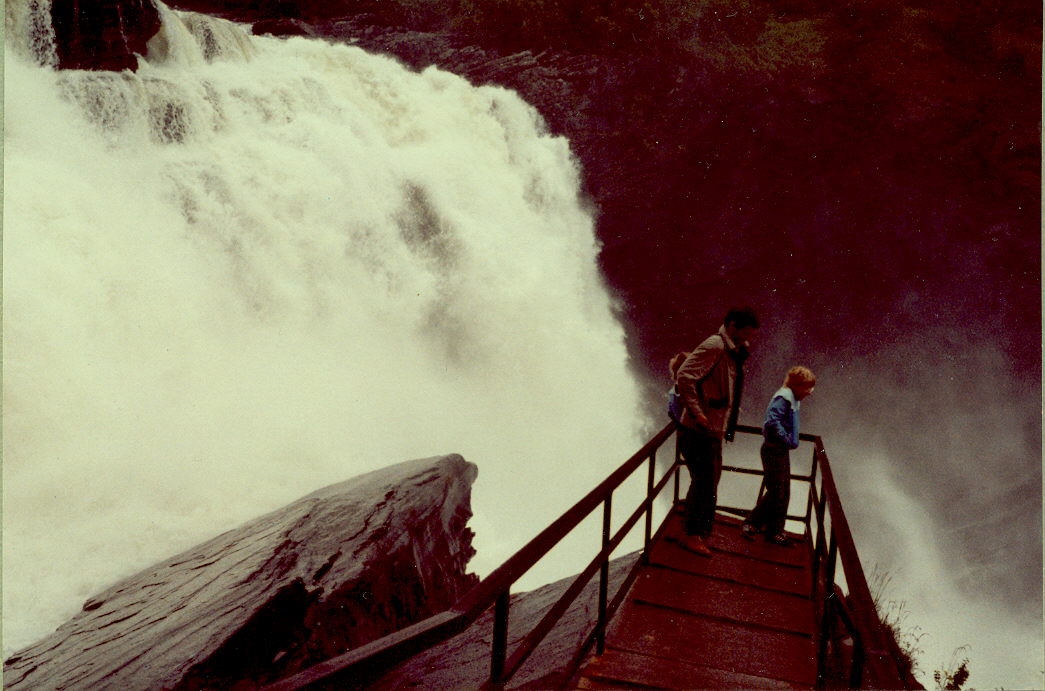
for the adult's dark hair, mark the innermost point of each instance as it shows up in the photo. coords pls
(741, 318)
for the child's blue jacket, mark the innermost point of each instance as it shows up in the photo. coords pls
(781, 426)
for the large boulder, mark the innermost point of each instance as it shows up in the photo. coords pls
(331, 571)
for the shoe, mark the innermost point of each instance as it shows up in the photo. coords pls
(780, 540)
(749, 531)
(695, 543)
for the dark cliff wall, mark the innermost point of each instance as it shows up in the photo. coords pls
(865, 172)
(836, 164)
(103, 35)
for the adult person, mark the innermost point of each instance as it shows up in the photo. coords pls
(780, 435)
(709, 383)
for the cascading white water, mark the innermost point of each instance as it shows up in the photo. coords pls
(29, 31)
(256, 267)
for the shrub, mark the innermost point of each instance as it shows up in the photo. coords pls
(953, 675)
(893, 615)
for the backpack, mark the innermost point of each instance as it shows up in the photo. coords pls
(675, 405)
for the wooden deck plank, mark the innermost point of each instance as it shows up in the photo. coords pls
(741, 569)
(729, 647)
(594, 684)
(741, 619)
(621, 669)
(724, 600)
(728, 537)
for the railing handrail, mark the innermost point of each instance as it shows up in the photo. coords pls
(879, 648)
(402, 644)
(479, 598)
(493, 590)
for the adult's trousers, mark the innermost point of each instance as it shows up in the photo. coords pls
(702, 454)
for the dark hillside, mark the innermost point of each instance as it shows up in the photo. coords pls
(865, 172)
(746, 147)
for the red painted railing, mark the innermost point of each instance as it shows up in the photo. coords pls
(494, 591)
(873, 661)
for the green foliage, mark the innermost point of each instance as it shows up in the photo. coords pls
(954, 675)
(518, 24)
(893, 615)
(744, 36)
(793, 45)
(881, 44)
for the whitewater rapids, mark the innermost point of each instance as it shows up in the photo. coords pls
(256, 267)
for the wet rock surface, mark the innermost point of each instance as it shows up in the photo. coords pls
(102, 35)
(338, 568)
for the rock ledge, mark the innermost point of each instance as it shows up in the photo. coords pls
(338, 568)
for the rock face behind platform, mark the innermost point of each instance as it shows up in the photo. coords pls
(103, 35)
(331, 571)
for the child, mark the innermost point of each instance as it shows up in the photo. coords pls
(780, 434)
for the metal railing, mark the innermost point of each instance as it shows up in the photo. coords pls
(876, 660)
(494, 590)
(875, 657)
(873, 662)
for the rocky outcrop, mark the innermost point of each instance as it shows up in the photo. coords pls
(102, 35)
(331, 571)
(562, 85)
(787, 128)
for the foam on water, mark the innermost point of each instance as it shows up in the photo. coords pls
(256, 267)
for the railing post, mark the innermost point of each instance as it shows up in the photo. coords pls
(819, 548)
(824, 577)
(835, 610)
(499, 646)
(649, 507)
(604, 577)
(824, 639)
(832, 559)
(812, 482)
(815, 540)
(678, 469)
(856, 672)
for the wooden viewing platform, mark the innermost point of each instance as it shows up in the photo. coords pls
(744, 618)
(753, 616)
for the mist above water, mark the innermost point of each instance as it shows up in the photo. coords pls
(256, 267)
(935, 451)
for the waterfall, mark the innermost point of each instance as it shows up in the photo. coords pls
(255, 267)
(29, 32)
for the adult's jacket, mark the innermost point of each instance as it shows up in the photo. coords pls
(705, 383)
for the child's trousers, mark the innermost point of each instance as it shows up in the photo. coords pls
(770, 512)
